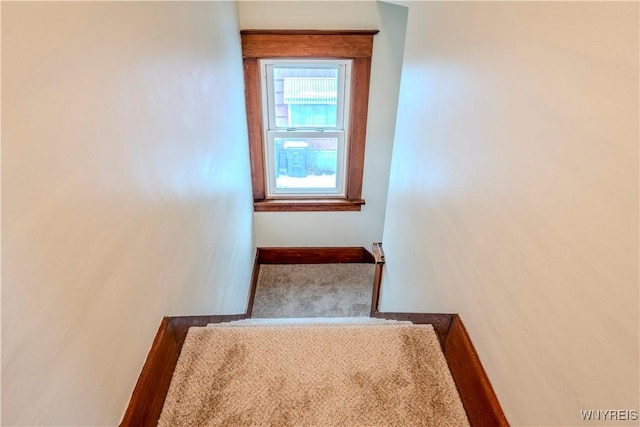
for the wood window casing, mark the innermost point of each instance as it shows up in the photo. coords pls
(356, 45)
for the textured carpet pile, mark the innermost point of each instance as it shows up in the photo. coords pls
(313, 290)
(313, 372)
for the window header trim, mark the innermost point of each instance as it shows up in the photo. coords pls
(307, 43)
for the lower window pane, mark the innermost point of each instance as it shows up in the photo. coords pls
(306, 163)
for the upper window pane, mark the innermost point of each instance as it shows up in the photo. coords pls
(305, 96)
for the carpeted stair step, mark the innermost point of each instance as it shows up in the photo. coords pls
(336, 373)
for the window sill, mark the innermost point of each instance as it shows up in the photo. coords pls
(307, 205)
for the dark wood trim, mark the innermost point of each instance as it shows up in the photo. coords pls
(254, 283)
(375, 292)
(150, 392)
(477, 395)
(316, 255)
(307, 205)
(306, 44)
(151, 389)
(253, 100)
(308, 32)
(361, 73)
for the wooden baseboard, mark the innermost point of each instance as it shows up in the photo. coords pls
(375, 294)
(477, 395)
(254, 283)
(147, 399)
(151, 389)
(314, 255)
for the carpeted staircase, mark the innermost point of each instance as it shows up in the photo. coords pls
(313, 372)
(292, 359)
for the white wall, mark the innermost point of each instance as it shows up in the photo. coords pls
(342, 228)
(513, 196)
(126, 194)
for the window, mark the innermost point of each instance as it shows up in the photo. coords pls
(307, 97)
(305, 126)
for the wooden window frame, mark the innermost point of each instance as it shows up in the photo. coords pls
(356, 45)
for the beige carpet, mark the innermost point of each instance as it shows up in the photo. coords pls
(306, 374)
(313, 290)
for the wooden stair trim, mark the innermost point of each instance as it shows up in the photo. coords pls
(375, 293)
(314, 255)
(150, 392)
(254, 283)
(153, 383)
(477, 395)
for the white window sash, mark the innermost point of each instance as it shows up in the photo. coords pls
(272, 132)
(344, 76)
